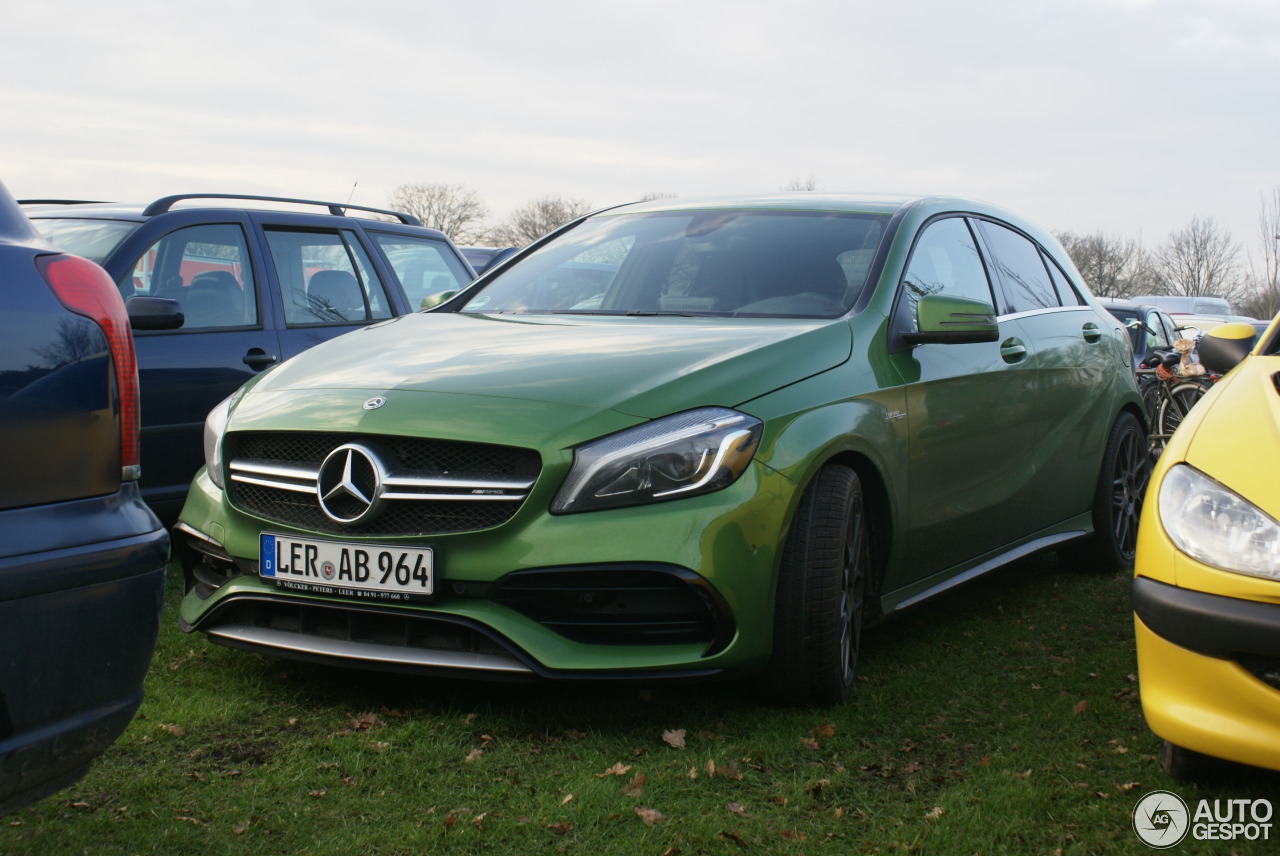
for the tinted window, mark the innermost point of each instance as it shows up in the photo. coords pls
(1024, 282)
(1067, 295)
(206, 268)
(326, 278)
(945, 261)
(423, 266)
(728, 262)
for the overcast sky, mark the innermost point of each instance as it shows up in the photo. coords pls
(1125, 116)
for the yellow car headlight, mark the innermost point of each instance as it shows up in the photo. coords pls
(1214, 525)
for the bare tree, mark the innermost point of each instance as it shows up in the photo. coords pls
(810, 183)
(454, 209)
(1201, 260)
(534, 219)
(1264, 302)
(1112, 266)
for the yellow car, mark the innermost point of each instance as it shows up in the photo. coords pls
(1206, 591)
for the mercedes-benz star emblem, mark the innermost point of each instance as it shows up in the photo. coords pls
(374, 403)
(349, 484)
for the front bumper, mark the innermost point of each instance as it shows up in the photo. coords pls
(1210, 671)
(668, 590)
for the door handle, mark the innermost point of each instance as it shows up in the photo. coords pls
(1092, 332)
(258, 359)
(1013, 351)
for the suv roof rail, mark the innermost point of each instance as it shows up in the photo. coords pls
(61, 202)
(337, 209)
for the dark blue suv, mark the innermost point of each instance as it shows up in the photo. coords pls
(220, 287)
(81, 556)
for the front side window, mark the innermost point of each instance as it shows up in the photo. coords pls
(721, 263)
(326, 277)
(944, 260)
(205, 268)
(1016, 263)
(425, 267)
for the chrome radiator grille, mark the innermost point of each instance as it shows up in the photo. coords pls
(377, 485)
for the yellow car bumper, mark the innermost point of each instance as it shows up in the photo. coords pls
(1198, 692)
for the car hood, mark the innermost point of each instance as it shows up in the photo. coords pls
(643, 367)
(1238, 430)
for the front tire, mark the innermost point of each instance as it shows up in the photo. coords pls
(821, 598)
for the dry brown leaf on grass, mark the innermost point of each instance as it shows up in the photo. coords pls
(674, 738)
(618, 769)
(560, 828)
(635, 786)
(810, 743)
(737, 808)
(710, 767)
(825, 731)
(934, 813)
(175, 730)
(364, 721)
(648, 815)
(568, 798)
(472, 755)
(1080, 707)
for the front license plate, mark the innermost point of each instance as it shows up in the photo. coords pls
(351, 570)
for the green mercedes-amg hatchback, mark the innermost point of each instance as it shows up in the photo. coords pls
(675, 439)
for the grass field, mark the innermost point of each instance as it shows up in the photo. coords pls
(1002, 719)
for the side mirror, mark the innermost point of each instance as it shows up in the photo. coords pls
(947, 320)
(1223, 347)
(154, 313)
(433, 300)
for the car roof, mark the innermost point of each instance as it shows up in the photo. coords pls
(140, 211)
(862, 203)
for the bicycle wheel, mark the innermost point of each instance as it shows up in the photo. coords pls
(1175, 405)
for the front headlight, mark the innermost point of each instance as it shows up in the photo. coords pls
(215, 424)
(1217, 526)
(687, 454)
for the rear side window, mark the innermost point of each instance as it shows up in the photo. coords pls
(206, 269)
(326, 277)
(1019, 270)
(423, 266)
(93, 239)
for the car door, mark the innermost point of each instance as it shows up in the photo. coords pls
(1074, 358)
(969, 411)
(326, 284)
(224, 340)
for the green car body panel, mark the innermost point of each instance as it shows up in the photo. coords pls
(969, 453)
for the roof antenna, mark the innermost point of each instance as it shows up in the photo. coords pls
(353, 191)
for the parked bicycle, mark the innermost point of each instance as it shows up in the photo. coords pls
(1168, 395)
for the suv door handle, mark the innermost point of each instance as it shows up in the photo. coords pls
(1092, 332)
(258, 359)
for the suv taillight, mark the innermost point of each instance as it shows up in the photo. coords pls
(86, 289)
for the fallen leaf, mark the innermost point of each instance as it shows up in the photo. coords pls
(914, 767)
(472, 755)
(693, 773)
(674, 738)
(478, 820)
(934, 813)
(379, 746)
(635, 786)
(710, 768)
(794, 833)
(1023, 775)
(451, 819)
(560, 828)
(735, 836)
(567, 799)
(618, 769)
(648, 815)
(318, 792)
(825, 731)
(737, 808)
(175, 730)
(809, 743)
(1080, 707)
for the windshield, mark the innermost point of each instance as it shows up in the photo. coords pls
(719, 263)
(92, 239)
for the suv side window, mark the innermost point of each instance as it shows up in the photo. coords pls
(945, 260)
(1024, 281)
(205, 268)
(326, 277)
(424, 267)
(1067, 295)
